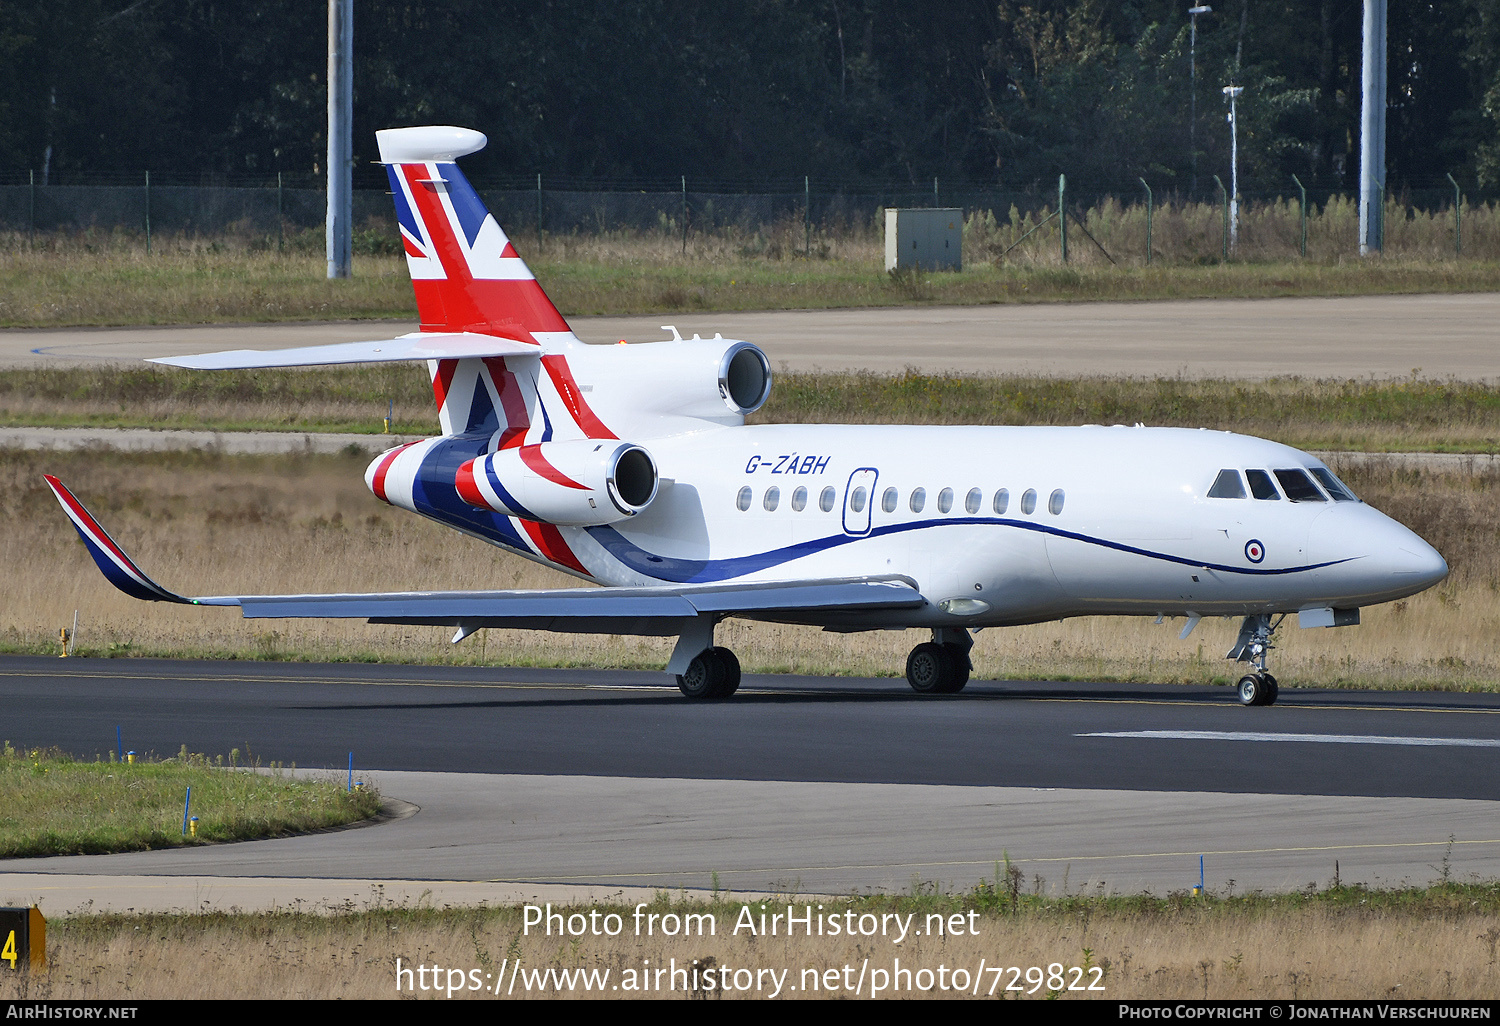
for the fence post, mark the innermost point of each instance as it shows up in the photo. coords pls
(684, 215)
(1458, 225)
(539, 213)
(1224, 234)
(1304, 214)
(935, 202)
(1062, 214)
(807, 215)
(148, 212)
(280, 217)
(31, 213)
(1148, 222)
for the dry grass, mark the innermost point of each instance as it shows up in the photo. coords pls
(1347, 944)
(212, 524)
(89, 279)
(1349, 415)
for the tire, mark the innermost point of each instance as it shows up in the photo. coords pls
(731, 664)
(1253, 690)
(704, 677)
(1273, 690)
(958, 659)
(930, 670)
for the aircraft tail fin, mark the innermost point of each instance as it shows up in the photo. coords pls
(467, 275)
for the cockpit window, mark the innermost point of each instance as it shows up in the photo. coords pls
(1332, 485)
(1260, 484)
(1297, 486)
(1227, 486)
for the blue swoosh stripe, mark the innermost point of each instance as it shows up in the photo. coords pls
(703, 571)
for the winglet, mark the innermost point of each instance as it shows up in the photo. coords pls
(119, 568)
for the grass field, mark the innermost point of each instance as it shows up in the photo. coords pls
(212, 524)
(104, 279)
(1419, 415)
(1431, 943)
(53, 804)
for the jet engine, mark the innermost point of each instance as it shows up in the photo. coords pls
(635, 388)
(580, 483)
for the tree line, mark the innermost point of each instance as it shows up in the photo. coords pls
(853, 93)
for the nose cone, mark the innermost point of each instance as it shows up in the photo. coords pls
(1372, 557)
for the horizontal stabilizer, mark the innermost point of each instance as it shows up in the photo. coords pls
(419, 345)
(660, 611)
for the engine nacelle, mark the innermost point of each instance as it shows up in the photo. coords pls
(632, 387)
(580, 483)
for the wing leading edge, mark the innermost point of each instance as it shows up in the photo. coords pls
(648, 611)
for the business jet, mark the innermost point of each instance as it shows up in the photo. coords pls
(631, 467)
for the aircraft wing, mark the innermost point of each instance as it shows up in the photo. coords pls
(647, 610)
(419, 345)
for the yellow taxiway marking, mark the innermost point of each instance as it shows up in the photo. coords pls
(1307, 849)
(667, 689)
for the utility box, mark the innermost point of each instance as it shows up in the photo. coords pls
(23, 939)
(930, 238)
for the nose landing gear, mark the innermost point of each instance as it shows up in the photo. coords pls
(1258, 688)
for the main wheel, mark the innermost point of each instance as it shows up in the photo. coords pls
(932, 670)
(1254, 690)
(959, 660)
(705, 675)
(731, 664)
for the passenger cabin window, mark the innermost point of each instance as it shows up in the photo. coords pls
(1332, 485)
(1260, 485)
(1227, 486)
(888, 500)
(773, 497)
(743, 500)
(825, 500)
(945, 500)
(1028, 501)
(973, 499)
(1055, 502)
(857, 500)
(1002, 502)
(799, 499)
(1298, 487)
(918, 499)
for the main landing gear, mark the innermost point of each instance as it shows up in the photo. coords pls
(1259, 687)
(941, 666)
(713, 673)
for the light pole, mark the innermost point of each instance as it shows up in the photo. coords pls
(1193, 13)
(1232, 92)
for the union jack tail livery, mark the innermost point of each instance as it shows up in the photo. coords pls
(466, 274)
(632, 467)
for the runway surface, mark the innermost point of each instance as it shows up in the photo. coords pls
(1437, 336)
(610, 779)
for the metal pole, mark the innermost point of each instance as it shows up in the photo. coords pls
(1304, 214)
(148, 211)
(1458, 224)
(31, 213)
(807, 215)
(340, 136)
(1193, 13)
(1233, 92)
(539, 213)
(1372, 129)
(684, 215)
(1148, 222)
(1062, 214)
(935, 202)
(280, 217)
(1224, 234)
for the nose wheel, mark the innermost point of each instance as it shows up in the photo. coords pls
(1257, 689)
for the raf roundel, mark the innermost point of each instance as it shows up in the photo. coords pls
(1254, 550)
